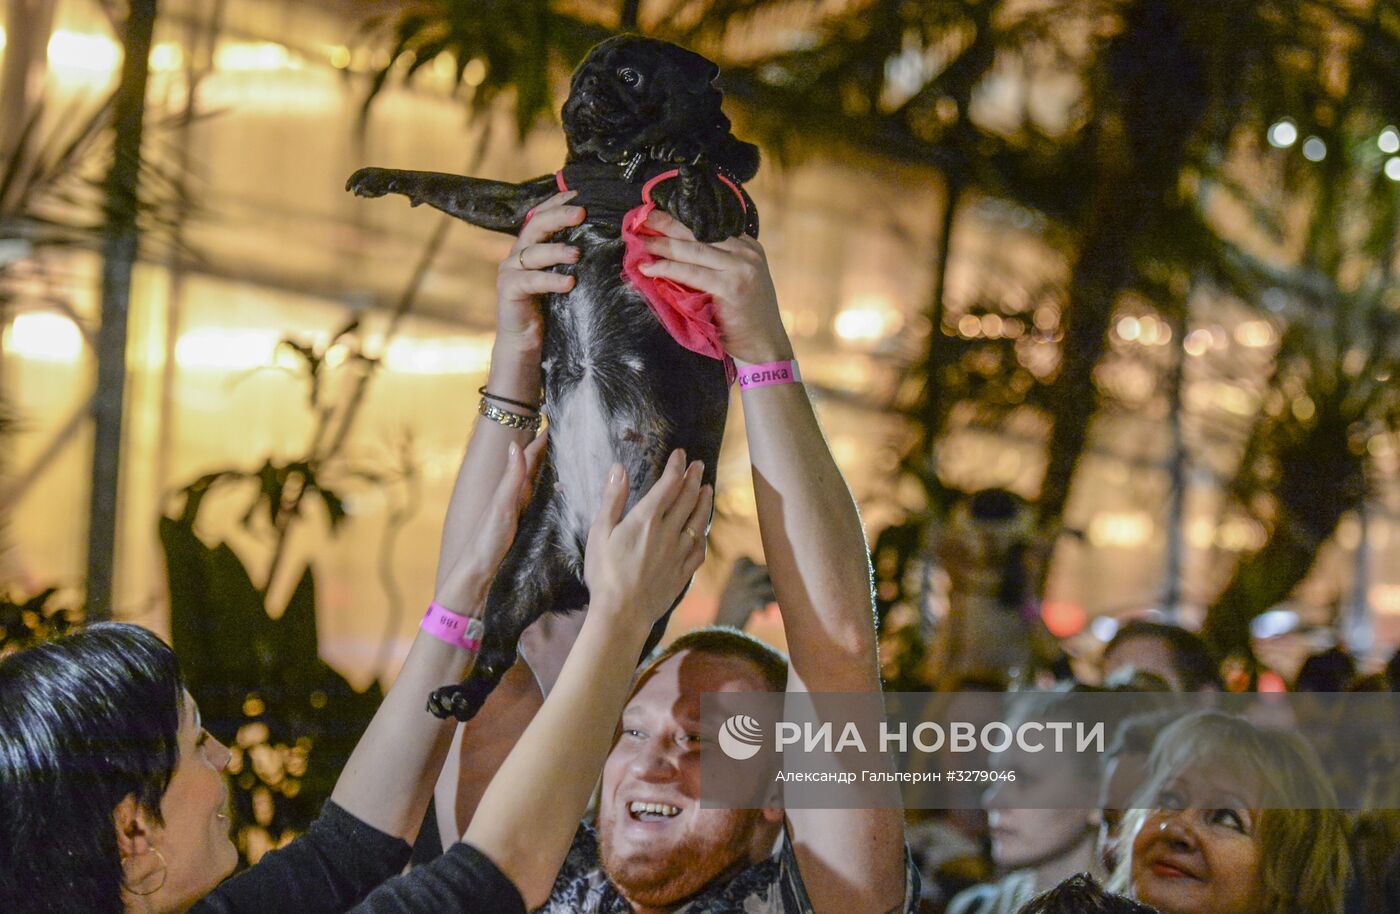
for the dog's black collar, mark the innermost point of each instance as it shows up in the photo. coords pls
(604, 190)
(632, 161)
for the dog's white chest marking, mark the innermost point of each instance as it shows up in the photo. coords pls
(583, 452)
(582, 440)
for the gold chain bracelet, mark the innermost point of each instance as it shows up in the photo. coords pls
(507, 418)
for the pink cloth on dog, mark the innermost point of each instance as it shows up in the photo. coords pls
(687, 314)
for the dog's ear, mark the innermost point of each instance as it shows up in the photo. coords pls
(737, 158)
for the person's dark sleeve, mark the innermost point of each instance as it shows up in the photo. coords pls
(328, 870)
(462, 881)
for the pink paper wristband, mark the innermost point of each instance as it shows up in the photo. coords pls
(768, 374)
(445, 625)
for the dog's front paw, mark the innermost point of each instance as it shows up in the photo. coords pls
(703, 203)
(373, 182)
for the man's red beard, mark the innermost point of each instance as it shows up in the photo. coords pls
(686, 869)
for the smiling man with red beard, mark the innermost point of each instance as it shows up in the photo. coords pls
(654, 849)
(649, 820)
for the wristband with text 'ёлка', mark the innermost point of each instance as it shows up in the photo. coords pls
(445, 625)
(768, 374)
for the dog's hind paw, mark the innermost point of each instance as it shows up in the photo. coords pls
(464, 700)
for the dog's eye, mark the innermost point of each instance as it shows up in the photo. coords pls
(629, 77)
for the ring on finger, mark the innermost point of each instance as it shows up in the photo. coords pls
(694, 537)
(520, 258)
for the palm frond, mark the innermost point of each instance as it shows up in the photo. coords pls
(51, 184)
(497, 47)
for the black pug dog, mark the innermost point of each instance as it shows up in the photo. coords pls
(617, 386)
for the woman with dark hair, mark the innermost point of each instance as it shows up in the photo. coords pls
(111, 792)
(92, 731)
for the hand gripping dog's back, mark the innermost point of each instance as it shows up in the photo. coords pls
(631, 370)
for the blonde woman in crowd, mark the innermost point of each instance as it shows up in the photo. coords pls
(1241, 821)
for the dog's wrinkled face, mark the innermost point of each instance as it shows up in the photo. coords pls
(635, 94)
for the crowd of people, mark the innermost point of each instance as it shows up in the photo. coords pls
(577, 786)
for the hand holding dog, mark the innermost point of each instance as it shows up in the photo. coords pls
(735, 273)
(525, 274)
(636, 565)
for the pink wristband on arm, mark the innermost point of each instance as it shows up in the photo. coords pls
(769, 374)
(445, 625)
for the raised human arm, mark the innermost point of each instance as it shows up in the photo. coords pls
(388, 780)
(851, 860)
(515, 361)
(480, 745)
(634, 566)
(812, 536)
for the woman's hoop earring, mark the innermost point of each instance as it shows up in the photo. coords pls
(164, 872)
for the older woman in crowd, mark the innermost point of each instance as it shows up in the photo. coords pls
(1242, 821)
